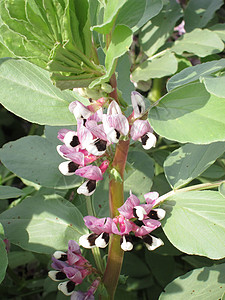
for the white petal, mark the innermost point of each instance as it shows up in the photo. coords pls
(86, 189)
(156, 242)
(140, 212)
(84, 242)
(67, 168)
(69, 138)
(65, 288)
(148, 140)
(53, 275)
(126, 245)
(100, 241)
(59, 255)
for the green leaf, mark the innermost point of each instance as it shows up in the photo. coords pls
(35, 158)
(3, 260)
(19, 258)
(124, 84)
(215, 85)
(195, 222)
(131, 13)
(182, 115)
(138, 180)
(43, 224)
(199, 13)
(219, 29)
(152, 8)
(121, 40)
(110, 13)
(156, 68)
(27, 91)
(194, 73)
(162, 266)
(7, 192)
(205, 283)
(201, 42)
(155, 33)
(189, 161)
(222, 189)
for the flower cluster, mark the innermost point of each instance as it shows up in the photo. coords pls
(72, 267)
(134, 221)
(96, 132)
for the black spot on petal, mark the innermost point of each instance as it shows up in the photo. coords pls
(134, 213)
(72, 167)
(63, 257)
(100, 145)
(60, 276)
(105, 236)
(70, 286)
(91, 185)
(117, 134)
(148, 239)
(144, 139)
(139, 108)
(138, 223)
(91, 238)
(75, 141)
(153, 215)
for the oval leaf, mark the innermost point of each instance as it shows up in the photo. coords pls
(189, 161)
(183, 114)
(35, 158)
(43, 223)
(195, 222)
(206, 283)
(194, 73)
(27, 91)
(7, 192)
(201, 42)
(3, 260)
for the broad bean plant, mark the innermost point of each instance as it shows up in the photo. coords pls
(112, 159)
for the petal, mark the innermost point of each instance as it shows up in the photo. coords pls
(126, 228)
(66, 287)
(138, 104)
(88, 240)
(57, 275)
(97, 147)
(148, 140)
(71, 139)
(157, 214)
(87, 188)
(98, 225)
(74, 247)
(79, 110)
(127, 208)
(57, 264)
(90, 172)
(84, 135)
(102, 240)
(96, 130)
(151, 198)
(68, 168)
(73, 274)
(60, 255)
(152, 242)
(61, 134)
(140, 128)
(114, 108)
(118, 122)
(97, 116)
(126, 243)
(139, 212)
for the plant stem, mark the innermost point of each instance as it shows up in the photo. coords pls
(197, 187)
(116, 199)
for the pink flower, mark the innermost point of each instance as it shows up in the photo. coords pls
(135, 220)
